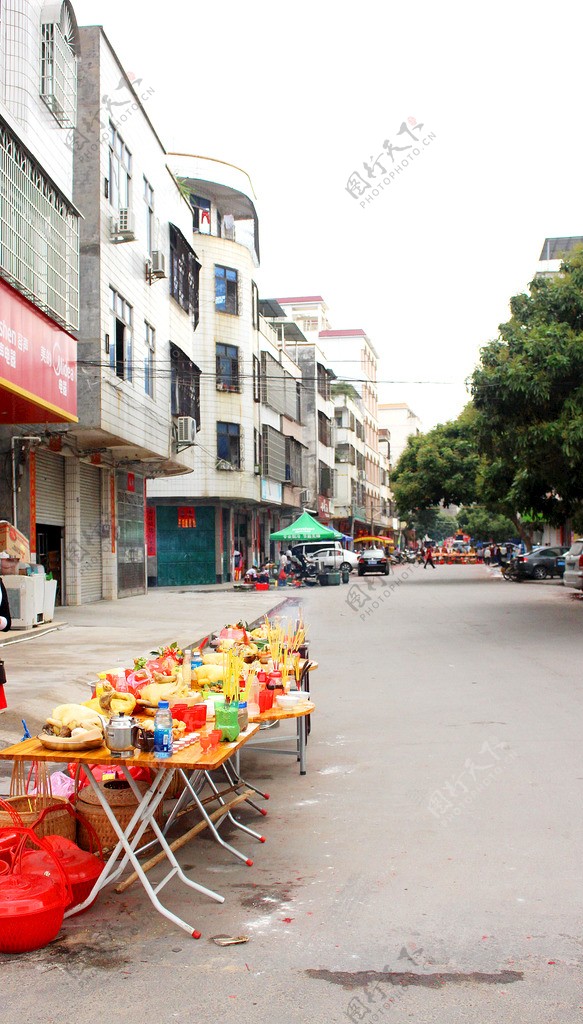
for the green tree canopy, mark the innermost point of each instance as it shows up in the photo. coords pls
(439, 467)
(528, 393)
(482, 524)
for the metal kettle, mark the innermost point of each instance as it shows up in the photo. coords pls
(121, 734)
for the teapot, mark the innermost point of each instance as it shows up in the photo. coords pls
(122, 734)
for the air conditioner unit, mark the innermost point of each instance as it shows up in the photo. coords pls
(186, 430)
(158, 264)
(257, 469)
(304, 497)
(123, 226)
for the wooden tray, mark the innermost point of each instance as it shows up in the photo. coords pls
(93, 740)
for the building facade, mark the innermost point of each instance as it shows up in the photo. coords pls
(39, 254)
(401, 423)
(249, 450)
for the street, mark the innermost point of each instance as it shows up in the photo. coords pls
(427, 868)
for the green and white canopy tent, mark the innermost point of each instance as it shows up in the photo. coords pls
(305, 529)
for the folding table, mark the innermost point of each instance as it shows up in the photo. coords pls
(187, 760)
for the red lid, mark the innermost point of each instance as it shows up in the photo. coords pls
(29, 894)
(79, 865)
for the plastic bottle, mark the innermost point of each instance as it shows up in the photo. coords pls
(163, 730)
(196, 659)
(186, 670)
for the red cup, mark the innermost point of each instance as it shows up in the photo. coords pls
(193, 718)
(215, 736)
(265, 700)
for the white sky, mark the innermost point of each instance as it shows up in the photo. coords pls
(300, 94)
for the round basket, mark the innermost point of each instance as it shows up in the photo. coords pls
(176, 787)
(123, 804)
(29, 808)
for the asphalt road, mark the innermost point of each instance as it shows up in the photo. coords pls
(427, 868)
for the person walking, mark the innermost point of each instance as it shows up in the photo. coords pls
(487, 555)
(428, 559)
(237, 563)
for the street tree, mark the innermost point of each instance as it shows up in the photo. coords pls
(438, 468)
(481, 523)
(528, 394)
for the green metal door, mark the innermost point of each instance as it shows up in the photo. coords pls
(185, 555)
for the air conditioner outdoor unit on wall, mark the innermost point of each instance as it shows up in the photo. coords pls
(186, 430)
(158, 267)
(123, 226)
(304, 497)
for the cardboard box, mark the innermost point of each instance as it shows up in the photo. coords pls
(13, 542)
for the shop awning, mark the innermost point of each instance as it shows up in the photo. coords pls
(305, 529)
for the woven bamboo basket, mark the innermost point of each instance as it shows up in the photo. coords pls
(29, 809)
(123, 804)
(176, 787)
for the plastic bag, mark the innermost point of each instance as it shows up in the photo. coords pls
(107, 772)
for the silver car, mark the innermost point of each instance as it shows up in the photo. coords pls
(332, 557)
(573, 575)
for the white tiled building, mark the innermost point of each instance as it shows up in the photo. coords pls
(39, 254)
(402, 423)
(248, 452)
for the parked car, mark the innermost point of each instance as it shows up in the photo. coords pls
(573, 575)
(540, 563)
(331, 556)
(373, 560)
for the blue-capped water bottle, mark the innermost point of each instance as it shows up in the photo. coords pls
(196, 659)
(163, 730)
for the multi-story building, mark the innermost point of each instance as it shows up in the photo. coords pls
(138, 382)
(354, 359)
(317, 409)
(39, 258)
(401, 423)
(249, 461)
(350, 459)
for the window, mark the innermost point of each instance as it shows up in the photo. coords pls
(39, 235)
(325, 480)
(273, 454)
(255, 305)
(149, 359)
(226, 290)
(184, 273)
(294, 462)
(120, 349)
(184, 385)
(324, 430)
(227, 362)
(149, 201)
(58, 75)
(201, 215)
(323, 382)
(120, 170)
(256, 379)
(257, 452)
(228, 446)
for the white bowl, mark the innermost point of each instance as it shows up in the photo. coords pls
(290, 700)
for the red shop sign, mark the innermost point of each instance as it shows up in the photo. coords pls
(38, 364)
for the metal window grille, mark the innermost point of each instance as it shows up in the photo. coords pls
(39, 235)
(274, 465)
(58, 86)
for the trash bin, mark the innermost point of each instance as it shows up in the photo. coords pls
(345, 574)
(333, 579)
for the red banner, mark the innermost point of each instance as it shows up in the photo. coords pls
(150, 525)
(38, 364)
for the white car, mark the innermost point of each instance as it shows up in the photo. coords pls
(332, 557)
(573, 575)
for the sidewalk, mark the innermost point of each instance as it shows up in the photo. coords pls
(53, 664)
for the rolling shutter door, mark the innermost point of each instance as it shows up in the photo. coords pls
(50, 489)
(90, 509)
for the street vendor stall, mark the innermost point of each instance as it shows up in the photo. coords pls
(190, 759)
